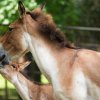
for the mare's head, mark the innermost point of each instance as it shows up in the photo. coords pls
(30, 25)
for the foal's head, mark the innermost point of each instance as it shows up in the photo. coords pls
(14, 42)
(35, 24)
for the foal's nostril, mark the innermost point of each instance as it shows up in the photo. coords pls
(2, 57)
(4, 60)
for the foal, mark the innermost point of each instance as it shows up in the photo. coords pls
(27, 90)
(74, 73)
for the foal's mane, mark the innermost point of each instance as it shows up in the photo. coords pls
(47, 28)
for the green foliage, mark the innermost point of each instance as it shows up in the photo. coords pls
(64, 12)
(90, 13)
(90, 16)
(9, 12)
(3, 29)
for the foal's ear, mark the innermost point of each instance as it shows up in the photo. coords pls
(21, 8)
(39, 8)
(42, 6)
(24, 65)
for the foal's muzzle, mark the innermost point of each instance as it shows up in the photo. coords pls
(4, 60)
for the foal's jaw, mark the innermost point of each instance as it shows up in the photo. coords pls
(11, 71)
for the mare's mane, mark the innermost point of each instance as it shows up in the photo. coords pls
(47, 28)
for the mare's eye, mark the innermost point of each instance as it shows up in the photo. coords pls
(10, 29)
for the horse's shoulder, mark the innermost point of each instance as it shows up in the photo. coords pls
(89, 61)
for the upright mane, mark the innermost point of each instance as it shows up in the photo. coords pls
(47, 27)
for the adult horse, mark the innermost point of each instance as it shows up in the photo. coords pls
(74, 73)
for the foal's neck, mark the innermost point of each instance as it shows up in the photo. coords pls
(44, 54)
(24, 86)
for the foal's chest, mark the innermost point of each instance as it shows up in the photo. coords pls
(84, 89)
(93, 91)
(45, 60)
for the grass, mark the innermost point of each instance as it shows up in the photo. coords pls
(43, 79)
(10, 93)
(3, 85)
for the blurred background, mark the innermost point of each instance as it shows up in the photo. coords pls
(78, 19)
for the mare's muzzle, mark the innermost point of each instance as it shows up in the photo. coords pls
(4, 60)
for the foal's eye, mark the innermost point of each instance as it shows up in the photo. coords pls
(10, 29)
(13, 65)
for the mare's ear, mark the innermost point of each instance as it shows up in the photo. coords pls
(21, 8)
(39, 8)
(24, 65)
